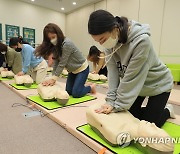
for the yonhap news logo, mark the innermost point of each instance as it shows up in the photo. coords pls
(123, 140)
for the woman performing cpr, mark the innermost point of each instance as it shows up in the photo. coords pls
(134, 70)
(35, 66)
(65, 55)
(98, 59)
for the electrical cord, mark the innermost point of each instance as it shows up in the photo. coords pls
(41, 113)
(32, 107)
(27, 105)
(20, 104)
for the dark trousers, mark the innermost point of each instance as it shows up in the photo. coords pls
(103, 71)
(1, 59)
(75, 84)
(154, 110)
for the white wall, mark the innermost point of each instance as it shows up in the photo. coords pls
(162, 15)
(127, 8)
(26, 15)
(76, 28)
(151, 12)
(170, 40)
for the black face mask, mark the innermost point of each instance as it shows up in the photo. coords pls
(18, 49)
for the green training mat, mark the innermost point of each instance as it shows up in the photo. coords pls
(172, 129)
(86, 130)
(33, 86)
(55, 105)
(63, 76)
(97, 82)
(49, 72)
(5, 79)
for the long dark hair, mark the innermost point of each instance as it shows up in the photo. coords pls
(46, 48)
(94, 53)
(102, 21)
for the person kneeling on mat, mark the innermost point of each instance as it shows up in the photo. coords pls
(12, 58)
(134, 70)
(98, 59)
(35, 66)
(65, 55)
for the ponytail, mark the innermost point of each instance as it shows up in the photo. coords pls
(122, 23)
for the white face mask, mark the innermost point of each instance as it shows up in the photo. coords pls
(4, 52)
(54, 41)
(110, 42)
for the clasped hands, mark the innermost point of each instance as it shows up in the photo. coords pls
(50, 82)
(105, 108)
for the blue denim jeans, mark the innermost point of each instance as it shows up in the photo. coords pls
(75, 84)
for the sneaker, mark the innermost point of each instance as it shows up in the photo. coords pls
(171, 110)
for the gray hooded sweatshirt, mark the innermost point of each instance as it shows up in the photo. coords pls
(135, 70)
